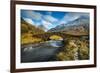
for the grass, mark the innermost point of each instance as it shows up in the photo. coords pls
(56, 37)
(74, 49)
(27, 39)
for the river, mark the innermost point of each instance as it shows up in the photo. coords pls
(41, 52)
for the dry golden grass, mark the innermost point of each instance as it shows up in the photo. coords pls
(56, 37)
(72, 47)
(27, 39)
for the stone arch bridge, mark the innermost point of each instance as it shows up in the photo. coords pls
(46, 36)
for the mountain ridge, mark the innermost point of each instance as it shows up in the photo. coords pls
(78, 26)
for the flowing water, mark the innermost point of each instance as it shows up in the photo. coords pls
(41, 52)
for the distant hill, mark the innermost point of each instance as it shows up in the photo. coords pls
(79, 26)
(29, 28)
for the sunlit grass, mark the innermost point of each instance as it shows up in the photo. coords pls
(56, 37)
(27, 39)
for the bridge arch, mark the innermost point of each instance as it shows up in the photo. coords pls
(46, 36)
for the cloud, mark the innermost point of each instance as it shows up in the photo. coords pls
(47, 24)
(49, 21)
(82, 14)
(32, 14)
(62, 22)
(72, 16)
(50, 18)
(29, 21)
(36, 15)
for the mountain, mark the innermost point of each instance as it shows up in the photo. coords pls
(81, 20)
(79, 25)
(29, 28)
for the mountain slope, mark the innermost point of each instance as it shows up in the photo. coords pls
(27, 32)
(28, 28)
(78, 26)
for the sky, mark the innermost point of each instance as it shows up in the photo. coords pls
(50, 19)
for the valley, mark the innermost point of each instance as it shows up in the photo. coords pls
(62, 43)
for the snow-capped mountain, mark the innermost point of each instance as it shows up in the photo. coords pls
(82, 21)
